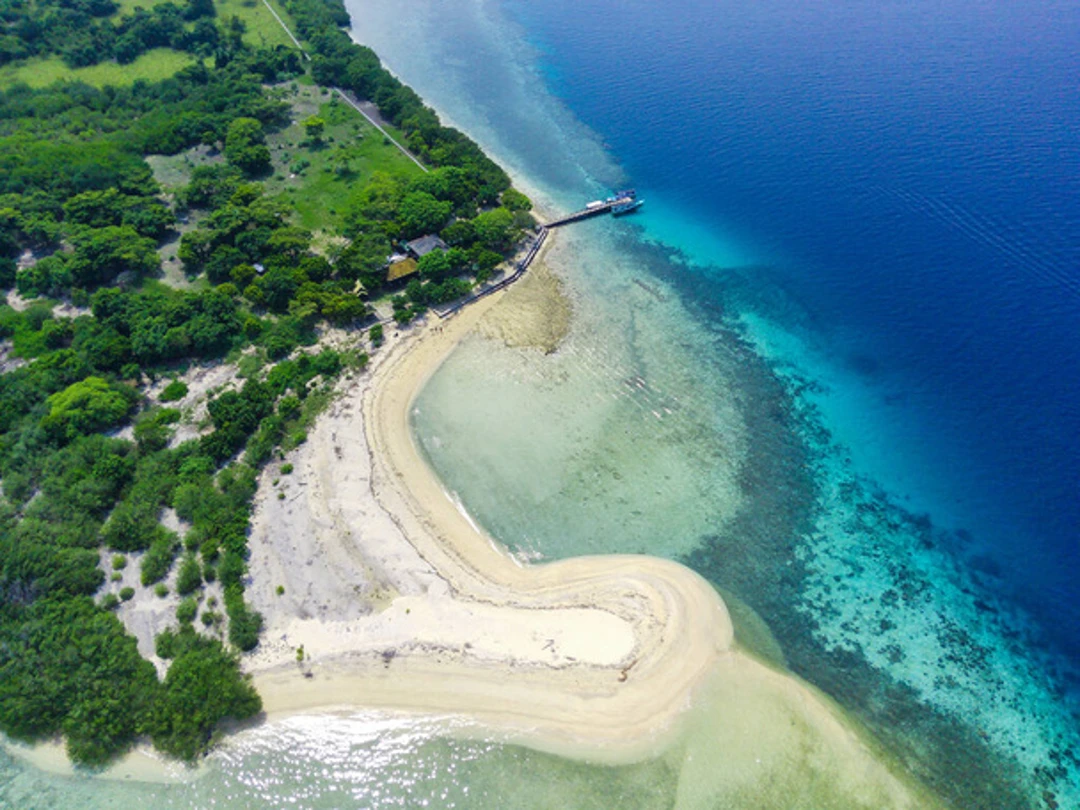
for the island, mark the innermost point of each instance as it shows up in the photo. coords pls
(223, 227)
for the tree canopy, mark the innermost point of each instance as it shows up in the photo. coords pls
(84, 222)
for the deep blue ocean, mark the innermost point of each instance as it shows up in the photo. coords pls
(908, 176)
(885, 196)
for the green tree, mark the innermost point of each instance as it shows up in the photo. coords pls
(314, 128)
(365, 260)
(203, 687)
(461, 233)
(514, 200)
(96, 209)
(190, 576)
(101, 254)
(86, 407)
(47, 277)
(435, 266)
(495, 229)
(245, 146)
(420, 213)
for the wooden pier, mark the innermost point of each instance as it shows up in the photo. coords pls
(591, 210)
(601, 207)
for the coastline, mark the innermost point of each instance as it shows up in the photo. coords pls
(404, 605)
(593, 654)
(596, 658)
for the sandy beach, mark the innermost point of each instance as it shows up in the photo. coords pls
(401, 601)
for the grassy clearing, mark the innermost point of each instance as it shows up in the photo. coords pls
(153, 66)
(262, 29)
(174, 171)
(161, 63)
(351, 151)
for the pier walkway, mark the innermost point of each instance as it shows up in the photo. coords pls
(594, 209)
(591, 210)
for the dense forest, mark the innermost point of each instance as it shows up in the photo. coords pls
(90, 449)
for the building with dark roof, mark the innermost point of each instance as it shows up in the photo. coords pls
(424, 245)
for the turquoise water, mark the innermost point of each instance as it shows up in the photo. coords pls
(757, 382)
(889, 487)
(363, 761)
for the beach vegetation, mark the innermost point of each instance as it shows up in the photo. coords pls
(514, 200)
(202, 687)
(175, 390)
(187, 610)
(189, 578)
(211, 249)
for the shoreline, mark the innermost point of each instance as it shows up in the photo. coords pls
(620, 700)
(413, 610)
(597, 654)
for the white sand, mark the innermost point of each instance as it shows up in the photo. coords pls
(401, 602)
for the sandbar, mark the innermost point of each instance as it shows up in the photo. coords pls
(597, 654)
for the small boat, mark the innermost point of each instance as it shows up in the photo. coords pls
(620, 196)
(628, 207)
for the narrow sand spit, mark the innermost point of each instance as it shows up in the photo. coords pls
(401, 602)
(600, 652)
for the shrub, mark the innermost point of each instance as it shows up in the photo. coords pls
(165, 644)
(190, 576)
(159, 558)
(127, 593)
(186, 610)
(161, 590)
(119, 562)
(207, 676)
(289, 407)
(175, 390)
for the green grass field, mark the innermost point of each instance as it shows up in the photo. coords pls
(152, 66)
(161, 63)
(351, 152)
(262, 29)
